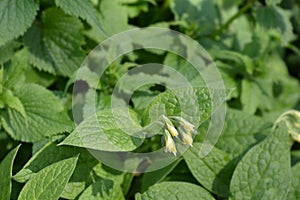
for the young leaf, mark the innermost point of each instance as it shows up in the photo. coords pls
(55, 48)
(102, 132)
(213, 171)
(250, 96)
(45, 115)
(174, 190)
(16, 17)
(6, 174)
(50, 181)
(102, 189)
(13, 74)
(186, 100)
(8, 98)
(265, 171)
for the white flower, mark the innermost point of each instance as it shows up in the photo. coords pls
(170, 144)
(187, 125)
(171, 127)
(186, 137)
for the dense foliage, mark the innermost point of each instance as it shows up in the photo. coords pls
(255, 45)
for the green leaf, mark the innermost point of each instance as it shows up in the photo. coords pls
(273, 2)
(118, 177)
(106, 172)
(265, 171)
(54, 48)
(16, 16)
(295, 157)
(8, 98)
(185, 69)
(102, 132)
(250, 96)
(80, 8)
(294, 192)
(13, 73)
(6, 174)
(50, 181)
(113, 19)
(45, 115)
(150, 178)
(81, 176)
(276, 22)
(202, 14)
(103, 189)
(7, 50)
(134, 7)
(174, 190)
(213, 171)
(193, 104)
(243, 63)
(50, 154)
(241, 132)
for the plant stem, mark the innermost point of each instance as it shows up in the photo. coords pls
(294, 49)
(231, 19)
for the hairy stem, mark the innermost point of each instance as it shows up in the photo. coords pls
(245, 8)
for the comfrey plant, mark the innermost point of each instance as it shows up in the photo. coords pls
(182, 129)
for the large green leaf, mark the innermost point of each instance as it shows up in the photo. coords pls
(294, 192)
(45, 116)
(50, 181)
(241, 132)
(276, 21)
(173, 191)
(265, 171)
(80, 8)
(15, 17)
(6, 174)
(213, 171)
(108, 130)
(49, 154)
(55, 44)
(102, 189)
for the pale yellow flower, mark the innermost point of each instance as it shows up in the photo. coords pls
(170, 144)
(171, 127)
(185, 136)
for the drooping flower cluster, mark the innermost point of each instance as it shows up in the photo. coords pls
(292, 121)
(183, 131)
